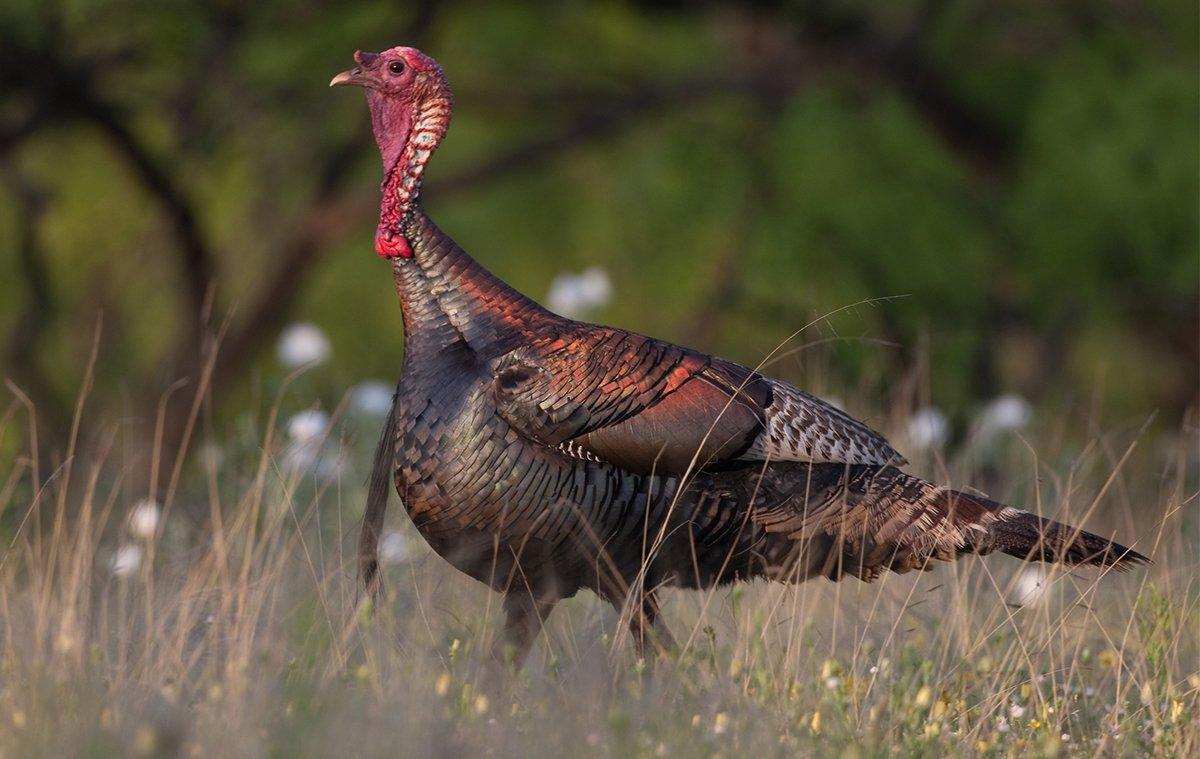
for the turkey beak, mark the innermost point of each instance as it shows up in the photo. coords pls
(353, 77)
(356, 76)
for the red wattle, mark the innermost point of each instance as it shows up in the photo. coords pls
(389, 244)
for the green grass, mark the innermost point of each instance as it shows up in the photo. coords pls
(242, 632)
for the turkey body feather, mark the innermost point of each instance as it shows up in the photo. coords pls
(543, 456)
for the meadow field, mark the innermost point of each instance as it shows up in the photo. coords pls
(226, 621)
(986, 212)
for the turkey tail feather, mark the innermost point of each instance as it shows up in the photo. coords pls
(883, 519)
(377, 498)
(1034, 538)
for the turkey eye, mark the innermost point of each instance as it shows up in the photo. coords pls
(396, 67)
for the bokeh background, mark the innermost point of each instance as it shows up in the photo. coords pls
(965, 201)
(973, 224)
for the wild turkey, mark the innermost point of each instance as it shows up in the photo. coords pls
(541, 455)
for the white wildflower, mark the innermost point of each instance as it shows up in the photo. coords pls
(143, 518)
(307, 452)
(394, 548)
(303, 343)
(311, 458)
(212, 455)
(833, 682)
(308, 426)
(928, 429)
(126, 560)
(301, 457)
(1016, 711)
(575, 295)
(372, 398)
(1030, 587)
(597, 287)
(1008, 413)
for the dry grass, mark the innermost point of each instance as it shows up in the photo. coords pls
(241, 631)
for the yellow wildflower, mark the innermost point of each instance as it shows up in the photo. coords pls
(720, 723)
(924, 697)
(64, 643)
(442, 686)
(829, 668)
(145, 741)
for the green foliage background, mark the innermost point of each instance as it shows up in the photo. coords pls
(1023, 173)
(950, 200)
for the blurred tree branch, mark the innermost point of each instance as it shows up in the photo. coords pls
(794, 44)
(850, 40)
(330, 214)
(758, 50)
(20, 347)
(57, 91)
(11, 135)
(64, 92)
(196, 255)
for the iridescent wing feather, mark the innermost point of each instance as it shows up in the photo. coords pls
(650, 406)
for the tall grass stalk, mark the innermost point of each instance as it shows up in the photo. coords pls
(239, 630)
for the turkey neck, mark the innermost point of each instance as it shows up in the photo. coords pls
(448, 299)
